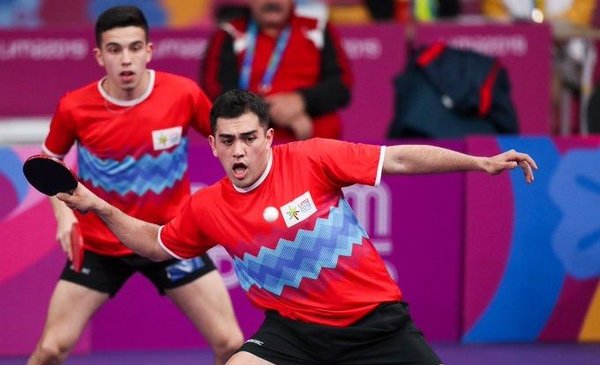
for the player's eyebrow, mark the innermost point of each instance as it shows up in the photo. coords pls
(134, 43)
(242, 135)
(248, 134)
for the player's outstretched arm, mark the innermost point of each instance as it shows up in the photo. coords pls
(425, 159)
(138, 235)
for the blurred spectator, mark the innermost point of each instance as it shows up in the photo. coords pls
(296, 63)
(593, 112)
(578, 12)
(351, 11)
(361, 11)
(449, 8)
(381, 9)
(574, 52)
(226, 10)
(429, 10)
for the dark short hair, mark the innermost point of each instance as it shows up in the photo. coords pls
(236, 102)
(120, 16)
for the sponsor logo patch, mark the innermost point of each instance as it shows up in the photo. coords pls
(298, 209)
(166, 138)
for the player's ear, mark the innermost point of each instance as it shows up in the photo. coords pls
(269, 136)
(149, 51)
(212, 142)
(98, 56)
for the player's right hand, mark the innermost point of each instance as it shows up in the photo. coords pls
(81, 199)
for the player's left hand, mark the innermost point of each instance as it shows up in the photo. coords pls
(510, 160)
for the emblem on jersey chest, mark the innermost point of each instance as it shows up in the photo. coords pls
(166, 138)
(298, 209)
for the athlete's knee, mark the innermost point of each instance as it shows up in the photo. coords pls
(47, 353)
(226, 347)
(246, 358)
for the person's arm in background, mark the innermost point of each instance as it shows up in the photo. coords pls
(425, 159)
(332, 92)
(219, 71)
(334, 88)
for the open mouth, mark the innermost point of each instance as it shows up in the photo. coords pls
(239, 170)
(127, 75)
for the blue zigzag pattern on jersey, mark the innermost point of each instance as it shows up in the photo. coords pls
(130, 175)
(306, 256)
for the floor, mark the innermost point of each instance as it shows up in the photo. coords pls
(452, 354)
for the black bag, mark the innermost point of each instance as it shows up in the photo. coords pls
(450, 93)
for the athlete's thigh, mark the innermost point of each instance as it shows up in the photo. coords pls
(246, 358)
(405, 345)
(403, 349)
(207, 303)
(71, 307)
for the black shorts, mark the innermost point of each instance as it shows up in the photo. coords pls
(107, 274)
(385, 336)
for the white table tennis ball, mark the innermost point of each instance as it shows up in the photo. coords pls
(271, 214)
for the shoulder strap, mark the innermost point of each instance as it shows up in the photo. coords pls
(431, 53)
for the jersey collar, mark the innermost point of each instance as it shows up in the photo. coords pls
(260, 179)
(132, 102)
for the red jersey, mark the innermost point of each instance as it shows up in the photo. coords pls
(132, 154)
(314, 263)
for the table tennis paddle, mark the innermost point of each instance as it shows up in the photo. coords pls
(77, 247)
(49, 175)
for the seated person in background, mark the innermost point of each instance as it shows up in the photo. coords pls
(363, 11)
(297, 64)
(574, 52)
(578, 12)
(357, 11)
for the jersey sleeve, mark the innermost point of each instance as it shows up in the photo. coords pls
(62, 133)
(201, 122)
(182, 237)
(346, 163)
